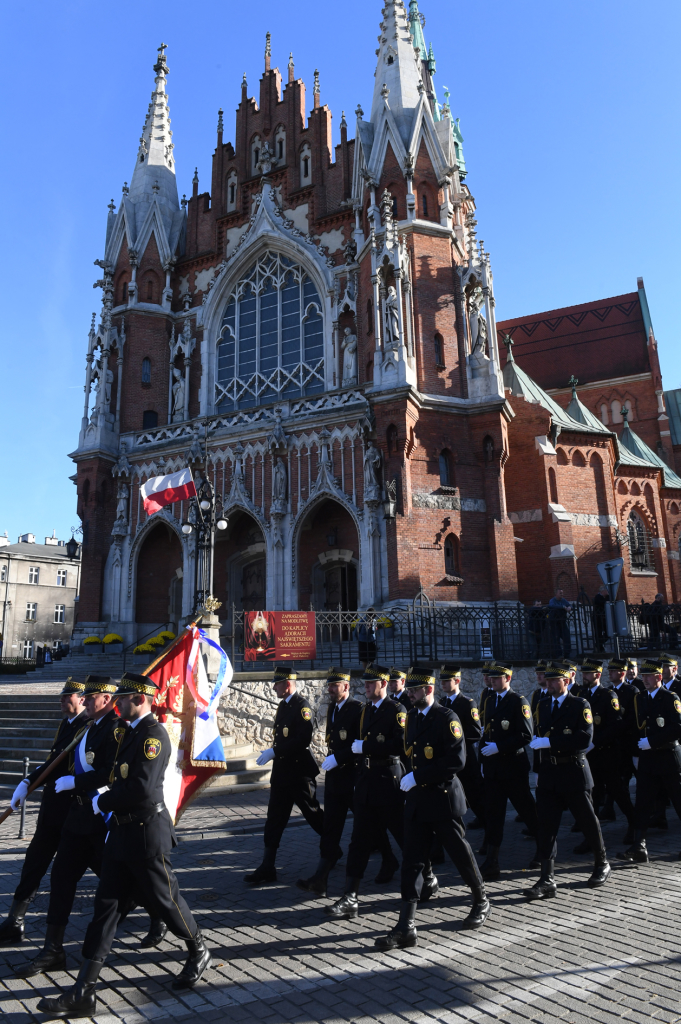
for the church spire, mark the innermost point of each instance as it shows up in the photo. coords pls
(154, 172)
(398, 70)
(416, 29)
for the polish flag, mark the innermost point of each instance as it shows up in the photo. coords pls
(164, 490)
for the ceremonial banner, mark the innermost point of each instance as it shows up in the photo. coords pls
(187, 708)
(280, 636)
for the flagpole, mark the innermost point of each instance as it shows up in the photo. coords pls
(178, 640)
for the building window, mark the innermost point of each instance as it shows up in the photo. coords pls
(370, 317)
(31, 611)
(124, 292)
(640, 548)
(553, 489)
(445, 468)
(392, 439)
(3, 573)
(149, 419)
(424, 205)
(59, 612)
(255, 154)
(61, 577)
(395, 213)
(305, 165)
(272, 342)
(231, 191)
(605, 418)
(439, 350)
(27, 649)
(34, 574)
(146, 371)
(150, 290)
(280, 144)
(451, 559)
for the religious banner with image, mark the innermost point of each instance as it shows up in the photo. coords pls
(280, 636)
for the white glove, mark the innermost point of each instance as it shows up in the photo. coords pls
(19, 795)
(357, 746)
(540, 743)
(635, 760)
(408, 782)
(328, 763)
(266, 756)
(644, 744)
(64, 784)
(489, 748)
(95, 804)
(589, 748)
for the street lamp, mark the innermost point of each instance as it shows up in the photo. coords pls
(204, 517)
(72, 544)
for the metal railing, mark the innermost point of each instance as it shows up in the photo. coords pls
(16, 666)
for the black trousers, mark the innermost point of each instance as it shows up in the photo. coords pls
(39, 854)
(124, 875)
(507, 779)
(369, 820)
(608, 772)
(76, 853)
(555, 795)
(338, 800)
(283, 795)
(418, 837)
(659, 772)
(470, 778)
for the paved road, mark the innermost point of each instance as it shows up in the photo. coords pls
(585, 956)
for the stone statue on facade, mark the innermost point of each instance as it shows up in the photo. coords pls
(392, 319)
(108, 384)
(267, 159)
(478, 324)
(122, 502)
(178, 395)
(349, 349)
(372, 468)
(279, 482)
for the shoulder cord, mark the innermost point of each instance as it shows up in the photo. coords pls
(639, 725)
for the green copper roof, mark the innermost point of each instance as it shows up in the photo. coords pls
(458, 148)
(634, 446)
(416, 29)
(524, 387)
(672, 403)
(577, 411)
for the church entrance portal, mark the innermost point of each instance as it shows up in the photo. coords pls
(328, 558)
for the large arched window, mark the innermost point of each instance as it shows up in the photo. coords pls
(640, 548)
(272, 340)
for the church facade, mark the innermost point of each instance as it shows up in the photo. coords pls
(316, 333)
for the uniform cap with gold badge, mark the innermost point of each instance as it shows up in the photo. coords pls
(373, 672)
(337, 675)
(450, 672)
(99, 684)
(420, 675)
(617, 664)
(651, 666)
(72, 686)
(556, 671)
(632, 663)
(131, 683)
(541, 665)
(668, 659)
(572, 665)
(397, 674)
(284, 672)
(498, 668)
(590, 664)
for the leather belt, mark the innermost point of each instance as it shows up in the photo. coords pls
(570, 759)
(127, 819)
(665, 746)
(379, 762)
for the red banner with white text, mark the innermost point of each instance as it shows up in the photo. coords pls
(280, 636)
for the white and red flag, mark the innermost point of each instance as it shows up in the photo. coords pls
(164, 490)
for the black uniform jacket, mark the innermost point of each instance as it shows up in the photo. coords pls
(379, 766)
(101, 743)
(468, 714)
(570, 733)
(537, 695)
(293, 726)
(658, 719)
(625, 695)
(402, 698)
(437, 749)
(637, 683)
(343, 731)
(55, 806)
(607, 716)
(674, 686)
(509, 726)
(140, 825)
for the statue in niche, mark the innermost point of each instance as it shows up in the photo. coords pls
(178, 395)
(267, 160)
(122, 502)
(108, 384)
(478, 324)
(349, 350)
(392, 319)
(372, 467)
(279, 482)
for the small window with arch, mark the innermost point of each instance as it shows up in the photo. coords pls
(640, 546)
(370, 317)
(149, 419)
(451, 555)
(445, 465)
(146, 371)
(424, 205)
(439, 351)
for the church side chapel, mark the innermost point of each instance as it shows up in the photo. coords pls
(317, 332)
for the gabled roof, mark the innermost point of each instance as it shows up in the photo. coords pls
(634, 451)
(579, 412)
(523, 386)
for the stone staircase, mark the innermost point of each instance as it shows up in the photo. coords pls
(29, 722)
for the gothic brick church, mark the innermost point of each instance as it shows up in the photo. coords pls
(318, 328)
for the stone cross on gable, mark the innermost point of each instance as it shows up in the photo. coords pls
(573, 381)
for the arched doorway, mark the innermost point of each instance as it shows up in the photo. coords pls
(240, 567)
(159, 567)
(328, 559)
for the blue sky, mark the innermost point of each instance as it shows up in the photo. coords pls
(569, 114)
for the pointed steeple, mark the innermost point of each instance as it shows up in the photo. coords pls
(416, 29)
(155, 165)
(398, 71)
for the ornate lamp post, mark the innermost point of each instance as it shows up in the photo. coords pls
(204, 517)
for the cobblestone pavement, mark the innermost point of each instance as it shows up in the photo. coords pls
(605, 955)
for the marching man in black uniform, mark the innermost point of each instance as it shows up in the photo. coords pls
(468, 714)
(342, 729)
(632, 677)
(136, 854)
(655, 734)
(507, 730)
(564, 735)
(53, 811)
(670, 678)
(434, 806)
(378, 800)
(397, 690)
(294, 772)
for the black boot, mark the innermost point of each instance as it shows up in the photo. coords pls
(196, 964)
(489, 869)
(638, 851)
(536, 860)
(347, 906)
(316, 883)
(79, 1000)
(545, 888)
(480, 910)
(601, 871)
(51, 957)
(430, 883)
(267, 871)
(403, 934)
(156, 934)
(388, 868)
(12, 928)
